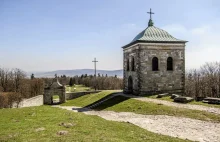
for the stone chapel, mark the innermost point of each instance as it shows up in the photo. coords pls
(154, 62)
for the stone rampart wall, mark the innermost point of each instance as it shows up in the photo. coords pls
(34, 101)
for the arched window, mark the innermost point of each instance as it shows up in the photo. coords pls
(155, 64)
(130, 84)
(169, 63)
(127, 64)
(132, 64)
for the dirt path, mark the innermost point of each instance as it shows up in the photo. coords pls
(184, 128)
(178, 105)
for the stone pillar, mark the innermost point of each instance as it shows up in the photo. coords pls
(183, 75)
(47, 97)
(138, 70)
(63, 94)
(124, 76)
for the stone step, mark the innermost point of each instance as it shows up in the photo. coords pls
(183, 99)
(173, 96)
(102, 101)
(163, 95)
(211, 100)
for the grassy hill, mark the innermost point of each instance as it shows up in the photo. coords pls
(78, 88)
(88, 99)
(124, 104)
(23, 125)
(43, 123)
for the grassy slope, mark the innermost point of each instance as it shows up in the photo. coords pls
(20, 125)
(79, 88)
(88, 99)
(123, 104)
(193, 102)
(55, 97)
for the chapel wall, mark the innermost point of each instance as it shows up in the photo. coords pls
(162, 80)
(128, 54)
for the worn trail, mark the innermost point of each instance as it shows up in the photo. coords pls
(185, 128)
(173, 104)
(178, 105)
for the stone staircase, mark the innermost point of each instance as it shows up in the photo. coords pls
(97, 103)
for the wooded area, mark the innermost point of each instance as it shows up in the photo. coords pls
(100, 82)
(14, 86)
(203, 82)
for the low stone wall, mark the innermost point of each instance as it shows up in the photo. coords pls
(73, 95)
(34, 101)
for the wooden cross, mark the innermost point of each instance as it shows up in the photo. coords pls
(150, 13)
(95, 61)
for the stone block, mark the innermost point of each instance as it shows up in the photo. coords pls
(211, 100)
(162, 95)
(62, 133)
(173, 96)
(200, 98)
(183, 99)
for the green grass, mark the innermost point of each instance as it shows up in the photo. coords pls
(164, 98)
(204, 104)
(193, 102)
(55, 97)
(79, 88)
(123, 104)
(21, 124)
(88, 99)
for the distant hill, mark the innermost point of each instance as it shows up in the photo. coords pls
(78, 72)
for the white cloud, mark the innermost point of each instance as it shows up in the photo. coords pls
(175, 28)
(203, 45)
(201, 30)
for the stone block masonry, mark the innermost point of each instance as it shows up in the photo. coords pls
(146, 81)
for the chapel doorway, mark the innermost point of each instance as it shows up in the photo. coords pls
(130, 85)
(56, 99)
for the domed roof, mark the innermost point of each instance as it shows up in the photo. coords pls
(154, 34)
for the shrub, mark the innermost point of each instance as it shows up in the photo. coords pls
(3, 100)
(9, 99)
(15, 86)
(14, 98)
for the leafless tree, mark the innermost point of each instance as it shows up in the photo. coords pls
(203, 82)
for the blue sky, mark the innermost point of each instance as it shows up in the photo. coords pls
(45, 35)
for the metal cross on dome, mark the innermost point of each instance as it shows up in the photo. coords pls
(150, 13)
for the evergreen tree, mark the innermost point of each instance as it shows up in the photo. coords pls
(32, 76)
(71, 82)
